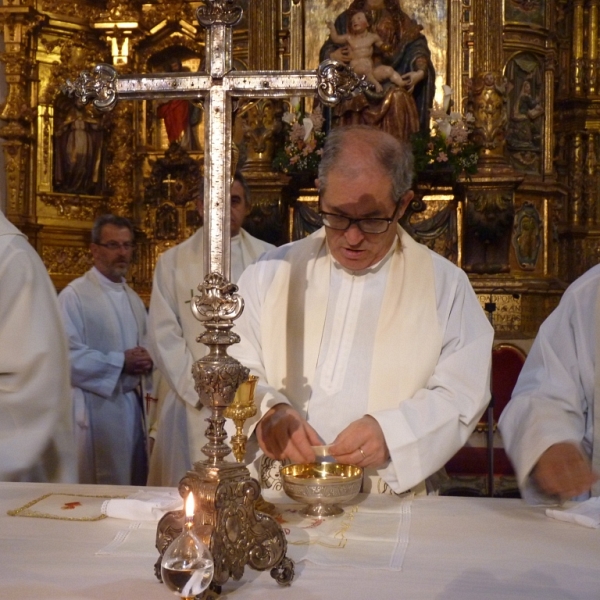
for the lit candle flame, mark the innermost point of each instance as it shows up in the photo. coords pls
(189, 506)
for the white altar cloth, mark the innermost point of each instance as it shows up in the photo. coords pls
(459, 549)
(371, 534)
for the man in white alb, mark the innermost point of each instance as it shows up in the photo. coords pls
(105, 322)
(551, 426)
(361, 337)
(172, 335)
(36, 425)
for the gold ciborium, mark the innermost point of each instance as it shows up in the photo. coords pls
(322, 487)
(238, 411)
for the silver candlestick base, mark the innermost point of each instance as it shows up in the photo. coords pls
(225, 495)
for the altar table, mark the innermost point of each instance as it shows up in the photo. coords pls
(459, 549)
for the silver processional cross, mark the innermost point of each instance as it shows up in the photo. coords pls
(219, 85)
(225, 493)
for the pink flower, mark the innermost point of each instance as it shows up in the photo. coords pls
(442, 157)
(317, 118)
(297, 133)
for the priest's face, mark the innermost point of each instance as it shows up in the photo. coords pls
(366, 194)
(112, 256)
(239, 207)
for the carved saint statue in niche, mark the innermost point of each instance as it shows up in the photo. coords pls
(78, 155)
(180, 115)
(401, 107)
(527, 239)
(525, 128)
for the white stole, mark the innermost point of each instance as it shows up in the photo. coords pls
(595, 491)
(408, 340)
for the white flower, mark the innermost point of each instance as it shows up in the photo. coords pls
(308, 127)
(289, 118)
(444, 127)
(447, 96)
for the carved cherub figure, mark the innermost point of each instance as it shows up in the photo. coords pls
(361, 41)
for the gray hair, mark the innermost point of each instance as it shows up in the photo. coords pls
(394, 157)
(100, 222)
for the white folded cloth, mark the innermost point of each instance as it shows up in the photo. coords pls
(143, 505)
(583, 513)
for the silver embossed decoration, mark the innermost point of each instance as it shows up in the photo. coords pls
(224, 12)
(99, 85)
(226, 518)
(338, 82)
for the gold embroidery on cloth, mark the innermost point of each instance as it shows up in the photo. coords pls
(24, 511)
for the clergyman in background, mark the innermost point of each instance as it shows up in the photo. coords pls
(172, 335)
(105, 321)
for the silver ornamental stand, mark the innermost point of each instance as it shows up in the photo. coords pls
(224, 493)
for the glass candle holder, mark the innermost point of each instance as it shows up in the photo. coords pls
(187, 565)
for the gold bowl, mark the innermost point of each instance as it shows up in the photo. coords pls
(322, 487)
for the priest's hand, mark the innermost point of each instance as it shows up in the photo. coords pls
(361, 443)
(283, 434)
(137, 361)
(563, 471)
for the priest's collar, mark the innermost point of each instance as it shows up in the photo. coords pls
(104, 280)
(373, 268)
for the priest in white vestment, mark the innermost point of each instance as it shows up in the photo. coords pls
(105, 322)
(173, 332)
(36, 427)
(551, 426)
(361, 337)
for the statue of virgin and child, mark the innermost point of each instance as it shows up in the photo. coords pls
(379, 40)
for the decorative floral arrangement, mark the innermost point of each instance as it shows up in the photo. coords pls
(303, 143)
(446, 147)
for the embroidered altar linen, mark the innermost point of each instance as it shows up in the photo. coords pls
(64, 507)
(583, 513)
(372, 533)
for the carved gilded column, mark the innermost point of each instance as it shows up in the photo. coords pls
(262, 28)
(488, 92)
(578, 73)
(17, 21)
(489, 207)
(549, 134)
(592, 36)
(297, 36)
(576, 179)
(455, 56)
(590, 183)
(258, 122)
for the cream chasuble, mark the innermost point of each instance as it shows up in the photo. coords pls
(392, 308)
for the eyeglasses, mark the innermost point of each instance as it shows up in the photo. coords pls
(367, 225)
(112, 246)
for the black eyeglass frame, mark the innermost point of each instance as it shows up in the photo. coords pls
(117, 245)
(358, 222)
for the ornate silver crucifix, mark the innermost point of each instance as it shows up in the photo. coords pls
(224, 491)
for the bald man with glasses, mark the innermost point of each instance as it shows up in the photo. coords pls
(363, 339)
